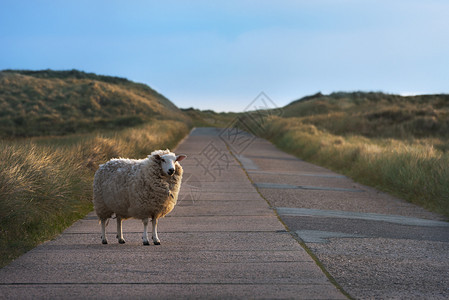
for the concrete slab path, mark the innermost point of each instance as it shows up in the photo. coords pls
(223, 240)
(374, 245)
(251, 222)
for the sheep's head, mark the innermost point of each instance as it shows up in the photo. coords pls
(168, 162)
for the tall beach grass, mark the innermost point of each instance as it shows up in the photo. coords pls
(46, 184)
(414, 169)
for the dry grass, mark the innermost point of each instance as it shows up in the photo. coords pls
(413, 169)
(46, 184)
(375, 115)
(37, 103)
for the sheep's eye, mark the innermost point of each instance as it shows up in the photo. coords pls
(163, 159)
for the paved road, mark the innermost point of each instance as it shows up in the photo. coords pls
(251, 223)
(222, 241)
(374, 245)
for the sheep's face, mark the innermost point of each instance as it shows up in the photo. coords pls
(168, 162)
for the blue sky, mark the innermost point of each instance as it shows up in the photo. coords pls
(221, 54)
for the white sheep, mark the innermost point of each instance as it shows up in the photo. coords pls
(140, 189)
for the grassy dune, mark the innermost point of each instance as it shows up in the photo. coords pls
(397, 144)
(46, 184)
(375, 115)
(36, 103)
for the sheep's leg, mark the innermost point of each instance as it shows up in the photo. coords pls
(156, 240)
(103, 231)
(145, 232)
(120, 238)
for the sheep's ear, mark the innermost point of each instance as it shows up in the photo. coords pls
(180, 157)
(157, 157)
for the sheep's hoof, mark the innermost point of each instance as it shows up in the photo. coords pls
(157, 243)
(104, 242)
(146, 243)
(121, 241)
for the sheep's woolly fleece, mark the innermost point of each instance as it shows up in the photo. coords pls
(133, 188)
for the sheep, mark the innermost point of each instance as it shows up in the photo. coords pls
(140, 189)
